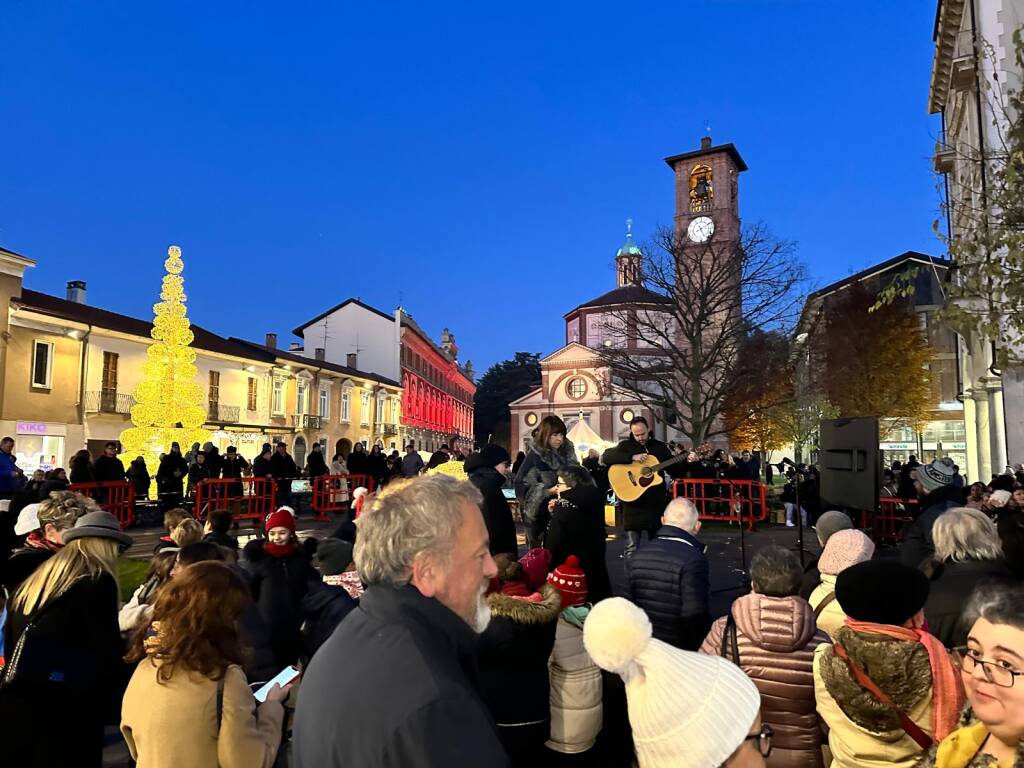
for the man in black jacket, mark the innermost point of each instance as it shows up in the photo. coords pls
(283, 470)
(668, 578)
(644, 513)
(395, 685)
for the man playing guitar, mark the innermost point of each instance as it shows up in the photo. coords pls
(643, 514)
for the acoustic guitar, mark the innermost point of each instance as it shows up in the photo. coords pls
(631, 481)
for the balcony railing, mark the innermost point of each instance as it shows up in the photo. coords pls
(107, 401)
(305, 421)
(387, 429)
(964, 59)
(222, 414)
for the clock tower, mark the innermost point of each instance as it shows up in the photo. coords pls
(707, 193)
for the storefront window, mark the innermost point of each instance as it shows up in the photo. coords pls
(43, 452)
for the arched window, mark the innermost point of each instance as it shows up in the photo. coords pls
(702, 189)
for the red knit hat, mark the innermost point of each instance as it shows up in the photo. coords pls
(283, 518)
(569, 579)
(535, 563)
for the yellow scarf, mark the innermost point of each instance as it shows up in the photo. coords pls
(961, 746)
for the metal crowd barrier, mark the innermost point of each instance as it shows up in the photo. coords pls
(115, 496)
(737, 500)
(333, 493)
(886, 525)
(255, 501)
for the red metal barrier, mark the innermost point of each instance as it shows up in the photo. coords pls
(885, 526)
(254, 502)
(333, 493)
(115, 496)
(743, 500)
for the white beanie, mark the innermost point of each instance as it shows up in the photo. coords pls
(687, 710)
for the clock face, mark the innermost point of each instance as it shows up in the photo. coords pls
(701, 229)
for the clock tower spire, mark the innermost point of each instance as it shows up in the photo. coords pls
(629, 261)
(707, 192)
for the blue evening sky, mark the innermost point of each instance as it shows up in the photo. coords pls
(474, 160)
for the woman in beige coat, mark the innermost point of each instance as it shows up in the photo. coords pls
(843, 549)
(188, 703)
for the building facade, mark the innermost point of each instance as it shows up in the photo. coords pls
(68, 372)
(972, 70)
(945, 433)
(436, 406)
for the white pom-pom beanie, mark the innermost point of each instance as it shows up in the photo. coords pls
(687, 710)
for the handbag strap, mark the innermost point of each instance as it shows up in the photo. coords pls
(730, 644)
(912, 729)
(829, 598)
(220, 700)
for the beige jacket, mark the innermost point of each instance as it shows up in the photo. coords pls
(855, 746)
(832, 616)
(174, 724)
(576, 710)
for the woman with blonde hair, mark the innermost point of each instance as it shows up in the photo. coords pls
(63, 647)
(188, 531)
(188, 702)
(968, 552)
(537, 480)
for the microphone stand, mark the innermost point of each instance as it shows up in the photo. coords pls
(745, 583)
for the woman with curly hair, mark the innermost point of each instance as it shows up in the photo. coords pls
(188, 702)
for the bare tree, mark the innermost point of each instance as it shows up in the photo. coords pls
(678, 350)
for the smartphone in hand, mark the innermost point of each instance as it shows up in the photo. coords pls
(282, 678)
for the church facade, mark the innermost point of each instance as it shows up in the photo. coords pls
(576, 382)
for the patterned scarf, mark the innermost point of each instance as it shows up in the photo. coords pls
(947, 686)
(349, 581)
(151, 643)
(38, 541)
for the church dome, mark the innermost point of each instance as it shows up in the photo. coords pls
(629, 248)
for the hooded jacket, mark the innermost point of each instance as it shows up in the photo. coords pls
(668, 578)
(577, 528)
(863, 732)
(576, 690)
(514, 653)
(776, 638)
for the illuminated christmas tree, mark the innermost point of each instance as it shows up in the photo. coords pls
(168, 401)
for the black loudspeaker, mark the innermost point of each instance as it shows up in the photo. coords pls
(849, 463)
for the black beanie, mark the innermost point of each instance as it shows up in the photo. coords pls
(492, 455)
(882, 592)
(333, 556)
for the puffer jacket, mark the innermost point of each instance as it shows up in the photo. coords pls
(576, 710)
(776, 638)
(668, 578)
(863, 732)
(962, 748)
(513, 666)
(831, 617)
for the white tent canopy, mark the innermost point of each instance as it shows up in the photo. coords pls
(584, 438)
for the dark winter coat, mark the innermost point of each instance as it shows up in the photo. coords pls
(396, 686)
(21, 564)
(1010, 524)
(324, 606)
(538, 473)
(668, 578)
(918, 547)
(171, 473)
(81, 471)
(261, 467)
(107, 469)
(577, 528)
(138, 476)
(232, 466)
(810, 580)
(278, 585)
(514, 653)
(196, 474)
(283, 469)
(497, 514)
(412, 464)
(70, 673)
(951, 588)
(49, 486)
(775, 642)
(315, 464)
(644, 513)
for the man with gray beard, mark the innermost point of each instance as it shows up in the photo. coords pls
(394, 686)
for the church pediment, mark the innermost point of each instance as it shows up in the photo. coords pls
(575, 353)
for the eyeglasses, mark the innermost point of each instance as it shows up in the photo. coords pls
(764, 740)
(965, 660)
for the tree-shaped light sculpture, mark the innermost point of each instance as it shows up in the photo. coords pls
(168, 401)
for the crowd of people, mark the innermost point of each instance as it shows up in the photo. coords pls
(423, 633)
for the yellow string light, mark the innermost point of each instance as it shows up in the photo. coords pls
(168, 401)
